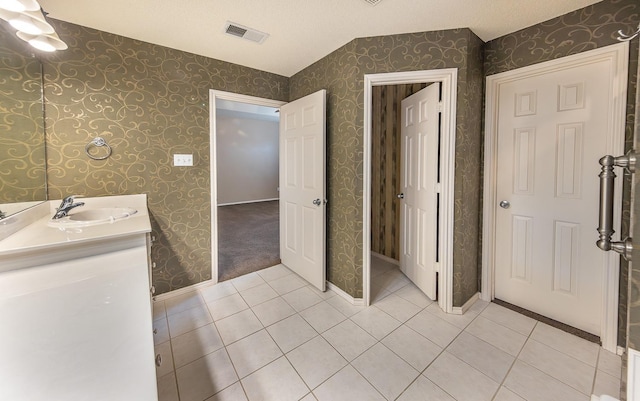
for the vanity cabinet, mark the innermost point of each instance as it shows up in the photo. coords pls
(79, 327)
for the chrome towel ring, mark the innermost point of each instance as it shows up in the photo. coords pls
(99, 143)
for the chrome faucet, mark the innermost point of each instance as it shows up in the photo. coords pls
(66, 205)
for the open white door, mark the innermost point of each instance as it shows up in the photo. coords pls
(303, 187)
(419, 198)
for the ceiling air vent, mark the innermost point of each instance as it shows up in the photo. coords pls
(373, 2)
(241, 31)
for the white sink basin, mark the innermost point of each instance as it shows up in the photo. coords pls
(90, 217)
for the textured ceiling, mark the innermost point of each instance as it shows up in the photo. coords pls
(301, 31)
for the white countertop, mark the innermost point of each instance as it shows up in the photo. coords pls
(37, 236)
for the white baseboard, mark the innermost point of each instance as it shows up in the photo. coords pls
(195, 287)
(385, 258)
(633, 375)
(340, 292)
(250, 201)
(183, 290)
(460, 310)
(603, 398)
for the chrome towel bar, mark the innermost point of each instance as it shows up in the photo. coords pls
(605, 222)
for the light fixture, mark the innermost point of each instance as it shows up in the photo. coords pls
(19, 5)
(28, 18)
(31, 22)
(42, 43)
(47, 43)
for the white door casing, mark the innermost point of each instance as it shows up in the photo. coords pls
(547, 126)
(302, 187)
(235, 97)
(419, 185)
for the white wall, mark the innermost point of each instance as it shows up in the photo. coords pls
(247, 152)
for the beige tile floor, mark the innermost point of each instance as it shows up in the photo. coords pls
(270, 336)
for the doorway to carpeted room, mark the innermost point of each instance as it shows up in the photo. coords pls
(248, 238)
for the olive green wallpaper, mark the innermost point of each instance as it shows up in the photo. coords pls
(584, 29)
(342, 74)
(148, 102)
(22, 157)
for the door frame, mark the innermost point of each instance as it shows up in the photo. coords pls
(213, 167)
(618, 54)
(449, 79)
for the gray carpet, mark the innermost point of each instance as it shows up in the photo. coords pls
(248, 238)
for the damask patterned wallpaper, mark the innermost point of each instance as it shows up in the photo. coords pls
(22, 157)
(148, 102)
(584, 29)
(342, 74)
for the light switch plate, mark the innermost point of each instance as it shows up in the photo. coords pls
(182, 160)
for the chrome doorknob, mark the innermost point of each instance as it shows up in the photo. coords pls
(317, 202)
(505, 204)
(400, 196)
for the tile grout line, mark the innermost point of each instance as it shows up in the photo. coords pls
(224, 346)
(595, 372)
(444, 349)
(173, 363)
(349, 317)
(514, 362)
(270, 336)
(420, 373)
(318, 334)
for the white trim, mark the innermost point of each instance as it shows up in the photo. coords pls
(461, 310)
(213, 95)
(344, 295)
(246, 202)
(633, 375)
(618, 54)
(603, 397)
(385, 258)
(184, 290)
(449, 79)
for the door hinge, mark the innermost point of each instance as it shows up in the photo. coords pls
(440, 106)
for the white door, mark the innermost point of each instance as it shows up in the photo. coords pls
(419, 178)
(302, 187)
(552, 128)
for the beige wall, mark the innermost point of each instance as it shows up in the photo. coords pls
(247, 153)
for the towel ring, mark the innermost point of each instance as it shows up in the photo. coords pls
(98, 142)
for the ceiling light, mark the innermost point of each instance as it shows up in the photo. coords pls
(25, 24)
(19, 5)
(31, 22)
(47, 43)
(29, 19)
(42, 43)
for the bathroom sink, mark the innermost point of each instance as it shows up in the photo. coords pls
(90, 217)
